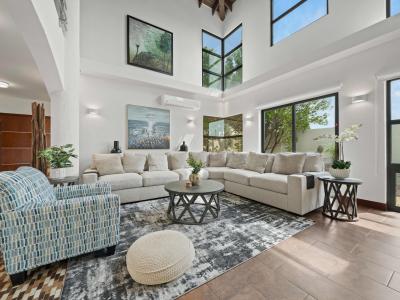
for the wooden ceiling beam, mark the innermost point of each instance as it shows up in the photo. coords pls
(221, 9)
(215, 6)
(222, 6)
(228, 4)
(200, 3)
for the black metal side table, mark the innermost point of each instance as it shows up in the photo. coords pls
(70, 180)
(340, 202)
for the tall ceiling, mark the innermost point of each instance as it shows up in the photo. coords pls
(17, 66)
(220, 6)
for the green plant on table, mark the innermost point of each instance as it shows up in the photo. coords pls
(59, 156)
(195, 164)
(341, 164)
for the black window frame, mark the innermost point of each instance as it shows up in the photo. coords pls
(223, 75)
(293, 108)
(389, 8)
(285, 13)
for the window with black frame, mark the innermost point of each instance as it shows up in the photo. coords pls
(294, 127)
(290, 16)
(222, 60)
(393, 7)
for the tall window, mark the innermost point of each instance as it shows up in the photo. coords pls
(295, 126)
(223, 134)
(393, 7)
(222, 60)
(289, 16)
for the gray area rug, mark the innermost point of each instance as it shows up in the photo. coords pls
(244, 229)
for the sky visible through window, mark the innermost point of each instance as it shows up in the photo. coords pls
(232, 41)
(394, 7)
(395, 99)
(212, 43)
(305, 14)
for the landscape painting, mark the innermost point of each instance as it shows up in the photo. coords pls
(149, 46)
(148, 128)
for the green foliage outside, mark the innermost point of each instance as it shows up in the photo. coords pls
(195, 164)
(59, 157)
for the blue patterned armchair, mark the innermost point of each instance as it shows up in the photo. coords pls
(40, 224)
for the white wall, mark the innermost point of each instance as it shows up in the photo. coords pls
(103, 32)
(14, 105)
(345, 17)
(111, 99)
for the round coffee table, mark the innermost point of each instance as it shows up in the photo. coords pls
(194, 205)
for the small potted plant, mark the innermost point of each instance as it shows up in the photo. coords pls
(58, 158)
(341, 168)
(196, 166)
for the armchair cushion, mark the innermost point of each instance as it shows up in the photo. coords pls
(15, 191)
(39, 182)
(82, 190)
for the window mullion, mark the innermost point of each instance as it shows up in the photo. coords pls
(288, 11)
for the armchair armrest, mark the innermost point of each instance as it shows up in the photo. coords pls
(82, 190)
(90, 176)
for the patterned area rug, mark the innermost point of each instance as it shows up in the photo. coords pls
(43, 283)
(244, 229)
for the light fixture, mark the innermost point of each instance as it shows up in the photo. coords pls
(359, 99)
(92, 112)
(190, 121)
(4, 85)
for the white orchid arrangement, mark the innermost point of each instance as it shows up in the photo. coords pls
(347, 135)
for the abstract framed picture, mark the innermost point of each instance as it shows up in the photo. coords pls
(149, 46)
(148, 128)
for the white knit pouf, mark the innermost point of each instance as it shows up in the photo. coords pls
(159, 257)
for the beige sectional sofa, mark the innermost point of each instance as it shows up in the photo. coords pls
(278, 180)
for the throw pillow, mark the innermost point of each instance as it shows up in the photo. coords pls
(257, 162)
(157, 162)
(201, 156)
(110, 165)
(217, 159)
(134, 162)
(270, 162)
(98, 156)
(313, 163)
(177, 160)
(289, 163)
(237, 160)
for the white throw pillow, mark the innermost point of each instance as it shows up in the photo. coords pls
(200, 156)
(217, 159)
(98, 156)
(237, 160)
(177, 160)
(108, 166)
(289, 163)
(157, 162)
(257, 162)
(314, 163)
(134, 162)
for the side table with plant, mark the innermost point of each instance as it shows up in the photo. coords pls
(58, 158)
(196, 166)
(340, 168)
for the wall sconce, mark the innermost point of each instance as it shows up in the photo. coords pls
(92, 112)
(249, 119)
(359, 99)
(190, 121)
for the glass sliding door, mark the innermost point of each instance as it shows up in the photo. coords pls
(393, 147)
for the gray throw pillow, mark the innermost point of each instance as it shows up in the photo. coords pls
(108, 166)
(134, 162)
(97, 156)
(157, 162)
(217, 159)
(237, 160)
(200, 156)
(289, 163)
(313, 163)
(257, 162)
(177, 160)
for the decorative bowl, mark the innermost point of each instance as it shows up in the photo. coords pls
(339, 173)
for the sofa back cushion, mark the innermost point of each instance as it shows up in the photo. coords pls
(109, 165)
(134, 162)
(236, 160)
(288, 163)
(200, 156)
(98, 156)
(217, 159)
(157, 162)
(42, 189)
(177, 160)
(258, 162)
(313, 163)
(15, 191)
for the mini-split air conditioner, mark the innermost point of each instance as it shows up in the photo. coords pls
(174, 101)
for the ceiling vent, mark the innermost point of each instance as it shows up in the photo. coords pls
(173, 101)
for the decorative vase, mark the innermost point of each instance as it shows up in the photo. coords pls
(194, 179)
(183, 147)
(339, 173)
(58, 173)
(116, 148)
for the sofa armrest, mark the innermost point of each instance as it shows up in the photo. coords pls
(300, 199)
(82, 190)
(90, 176)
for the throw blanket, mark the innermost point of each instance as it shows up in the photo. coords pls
(310, 178)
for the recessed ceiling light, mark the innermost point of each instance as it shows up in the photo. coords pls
(4, 85)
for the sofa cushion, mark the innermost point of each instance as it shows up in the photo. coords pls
(217, 159)
(288, 163)
(15, 191)
(216, 172)
(202, 156)
(134, 162)
(98, 156)
(177, 160)
(185, 173)
(42, 188)
(109, 165)
(236, 160)
(123, 181)
(157, 162)
(258, 162)
(239, 176)
(270, 181)
(159, 177)
(313, 163)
